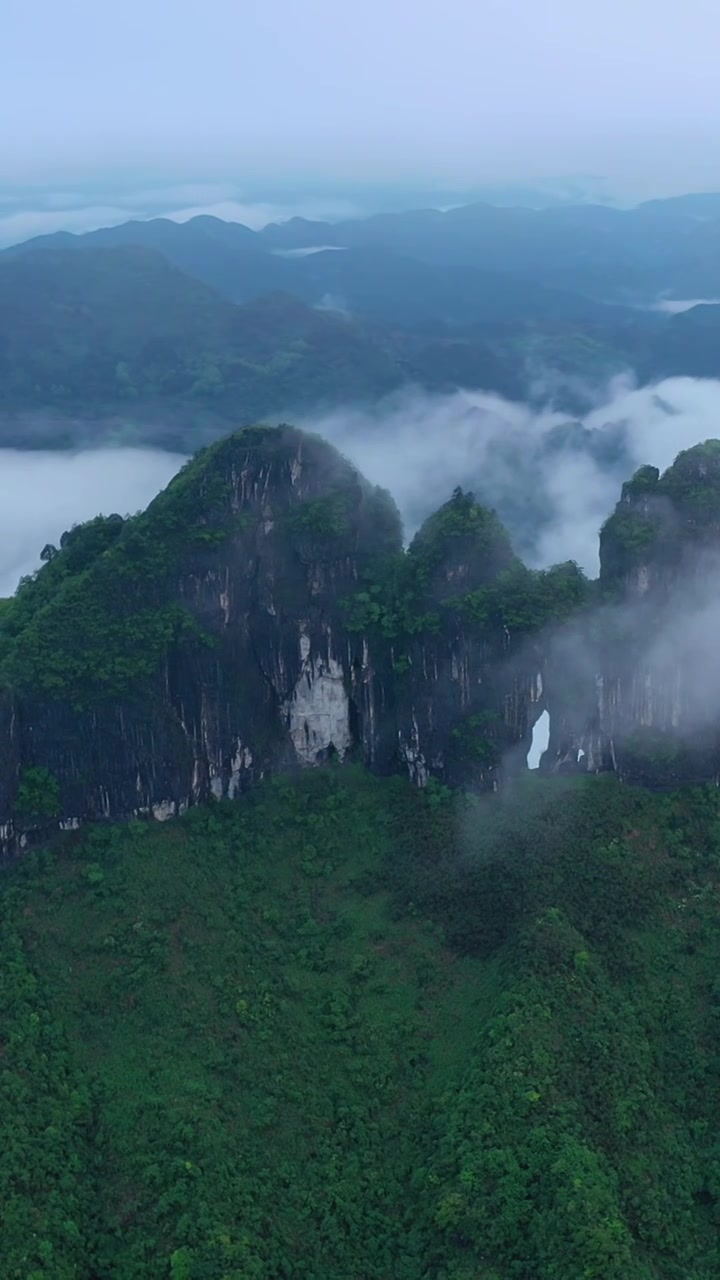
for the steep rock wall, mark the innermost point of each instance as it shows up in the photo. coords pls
(193, 650)
(262, 615)
(267, 676)
(635, 687)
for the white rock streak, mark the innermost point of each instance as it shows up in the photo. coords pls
(318, 711)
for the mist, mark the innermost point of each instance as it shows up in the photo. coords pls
(552, 479)
(392, 93)
(43, 494)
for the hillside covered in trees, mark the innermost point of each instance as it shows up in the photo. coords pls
(121, 332)
(342, 1027)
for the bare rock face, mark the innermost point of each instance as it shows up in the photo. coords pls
(636, 685)
(155, 663)
(206, 646)
(472, 688)
(262, 615)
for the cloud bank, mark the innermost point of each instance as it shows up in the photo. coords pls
(25, 215)
(553, 480)
(43, 494)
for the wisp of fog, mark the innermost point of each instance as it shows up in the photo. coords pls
(552, 480)
(42, 494)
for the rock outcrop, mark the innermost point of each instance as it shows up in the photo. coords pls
(471, 686)
(635, 686)
(184, 654)
(262, 615)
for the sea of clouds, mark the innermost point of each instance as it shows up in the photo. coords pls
(552, 483)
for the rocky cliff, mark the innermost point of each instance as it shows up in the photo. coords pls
(262, 614)
(635, 686)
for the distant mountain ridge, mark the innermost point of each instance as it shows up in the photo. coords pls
(184, 328)
(660, 245)
(121, 330)
(383, 283)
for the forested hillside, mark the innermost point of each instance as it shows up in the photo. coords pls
(344, 1028)
(123, 331)
(175, 329)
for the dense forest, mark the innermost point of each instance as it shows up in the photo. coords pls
(122, 332)
(345, 1028)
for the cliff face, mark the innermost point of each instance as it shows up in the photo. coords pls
(206, 645)
(472, 685)
(185, 653)
(262, 614)
(635, 685)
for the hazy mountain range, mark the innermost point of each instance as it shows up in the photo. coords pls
(204, 322)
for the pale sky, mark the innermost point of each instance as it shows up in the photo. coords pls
(323, 93)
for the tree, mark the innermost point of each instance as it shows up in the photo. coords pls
(38, 794)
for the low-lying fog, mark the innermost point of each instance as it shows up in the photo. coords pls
(676, 306)
(553, 483)
(43, 494)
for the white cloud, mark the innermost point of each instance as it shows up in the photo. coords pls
(553, 495)
(675, 306)
(71, 211)
(258, 215)
(27, 223)
(43, 494)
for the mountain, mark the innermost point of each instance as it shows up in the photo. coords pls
(270, 555)
(118, 340)
(625, 256)
(122, 332)
(366, 998)
(396, 290)
(636, 686)
(225, 255)
(384, 282)
(504, 299)
(663, 248)
(689, 344)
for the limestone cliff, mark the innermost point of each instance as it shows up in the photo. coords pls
(471, 686)
(263, 615)
(206, 645)
(636, 686)
(185, 653)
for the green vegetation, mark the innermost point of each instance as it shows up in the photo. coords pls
(627, 539)
(692, 482)
(100, 615)
(463, 543)
(657, 514)
(391, 601)
(524, 600)
(318, 517)
(644, 481)
(401, 594)
(344, 1028)
(474, 738)
(114, 330)
(461, 527)
(38, 794)
(106, 608)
